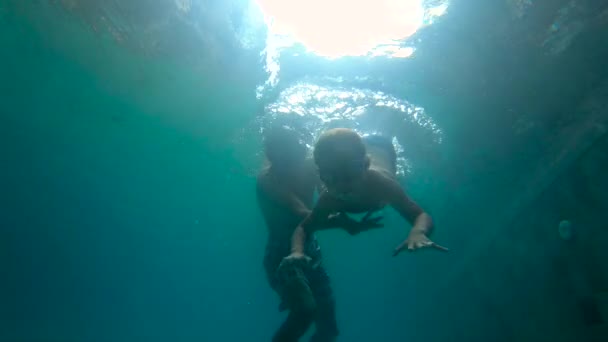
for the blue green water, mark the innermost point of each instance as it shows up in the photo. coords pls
(130, 146)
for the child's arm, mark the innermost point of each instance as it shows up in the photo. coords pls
(312, 222)
(407, 208)
(321, 218)
(422, 223)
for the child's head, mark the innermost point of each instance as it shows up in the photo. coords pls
(341, 157)
(283, 148)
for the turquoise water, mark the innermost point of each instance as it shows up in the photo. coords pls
(130, 135)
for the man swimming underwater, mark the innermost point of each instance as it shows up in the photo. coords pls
(359, 176)
(285, 192)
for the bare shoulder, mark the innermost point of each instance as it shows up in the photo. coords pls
(263, 178)
(380, 178)
(310, 173)
(382, 184)
(310, 167)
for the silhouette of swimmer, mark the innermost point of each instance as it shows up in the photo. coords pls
(357, 181)
(285, 190)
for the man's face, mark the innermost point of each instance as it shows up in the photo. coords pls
(288, 154)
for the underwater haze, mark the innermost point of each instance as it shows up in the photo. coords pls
(131, 130)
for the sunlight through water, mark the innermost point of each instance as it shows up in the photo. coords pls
(337, 28)
(332, 29)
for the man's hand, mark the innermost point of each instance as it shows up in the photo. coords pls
(417, 240)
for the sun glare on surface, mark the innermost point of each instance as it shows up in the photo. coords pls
(336, 28)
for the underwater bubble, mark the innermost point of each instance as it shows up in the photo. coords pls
(565, 229)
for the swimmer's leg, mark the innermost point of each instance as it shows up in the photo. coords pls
(295, 287)
(298, 298)
(325, 318)
(325, 322)
(294, 327)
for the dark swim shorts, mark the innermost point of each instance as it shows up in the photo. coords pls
(316, 275)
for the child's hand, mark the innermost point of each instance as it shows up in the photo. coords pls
(417, 240)
(366, 223)
(295, 259)
(292, 265)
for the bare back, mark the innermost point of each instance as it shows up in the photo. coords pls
(381, 160)
(285, 199)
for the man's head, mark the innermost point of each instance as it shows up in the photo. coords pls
(283, 148)
(341, 157)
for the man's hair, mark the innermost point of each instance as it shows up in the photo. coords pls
(283, 143)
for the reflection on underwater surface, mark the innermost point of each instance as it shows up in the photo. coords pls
(313, 109)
